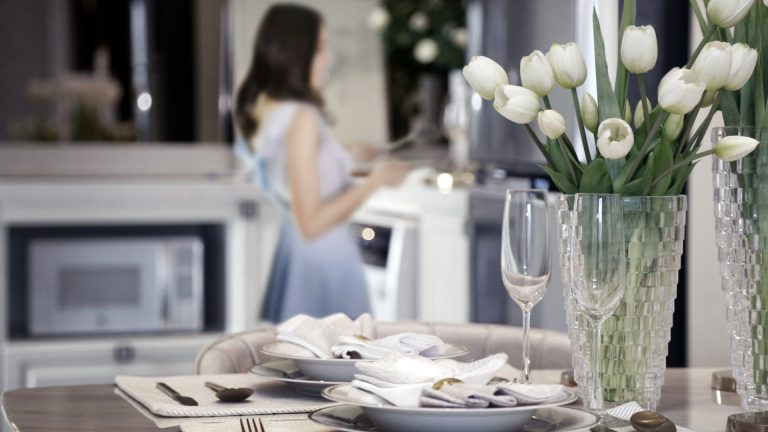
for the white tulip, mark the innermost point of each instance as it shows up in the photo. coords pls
(516, 103)
(627, 112)
(589, 112)
(640, 113)
(459, 37)
(536, 73)
(673, 126)
(614, 138)
(709, 98)
(639, 49)
(728, 13)
(378, 19)
(551, 123)
(567, 64)
(680, 90)
(713, 65)
(426, 50)
(734, 147)
(743, 61)
(484, 75)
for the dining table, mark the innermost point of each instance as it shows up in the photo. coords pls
(687, 399)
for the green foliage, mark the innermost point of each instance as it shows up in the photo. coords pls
(607, 105)
(622, 75)
(563, 184)
(596, 178)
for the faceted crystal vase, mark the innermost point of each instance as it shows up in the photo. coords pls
(635, 337)
(741, 223)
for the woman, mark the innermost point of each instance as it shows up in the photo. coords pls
(317, 268)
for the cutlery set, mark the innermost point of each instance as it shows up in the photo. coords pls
(224, 394)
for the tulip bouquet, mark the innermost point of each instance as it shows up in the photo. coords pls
(655, 153)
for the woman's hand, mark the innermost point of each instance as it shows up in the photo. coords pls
(390, 173)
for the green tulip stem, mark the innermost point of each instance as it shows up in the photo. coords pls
(644, 99)
(547, 105)
(681, 164)
(541, 147)
(571, 159)
(646, 145)
(710, 31)
(693, 144)
(571, 151)
(584, 142)
(690, 119)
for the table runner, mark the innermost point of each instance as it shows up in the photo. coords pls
(268, 398)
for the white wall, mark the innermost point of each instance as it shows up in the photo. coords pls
(707, 334)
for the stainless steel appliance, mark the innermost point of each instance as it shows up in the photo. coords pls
(115, 285)
(389, 245)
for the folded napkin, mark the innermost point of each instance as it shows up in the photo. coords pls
(406, 343)
(268, 398)
(318, 336)
(626, 410)
(482, 396)
(400, 379)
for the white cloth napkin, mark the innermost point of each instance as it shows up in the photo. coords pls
(482, 396)
(268, 398)
(626, 410)
(277, 423)
(400, 379)
(320, 335)
(406, 343)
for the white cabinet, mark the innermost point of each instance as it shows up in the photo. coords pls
(97, 361)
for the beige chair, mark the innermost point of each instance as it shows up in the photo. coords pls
(237, 353)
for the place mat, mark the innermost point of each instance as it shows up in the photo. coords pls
(269, 397)
(274, 423)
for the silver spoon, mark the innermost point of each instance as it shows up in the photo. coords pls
(225, 394)
(651, 421)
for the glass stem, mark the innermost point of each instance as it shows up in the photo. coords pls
(525, 377)
(596, 403)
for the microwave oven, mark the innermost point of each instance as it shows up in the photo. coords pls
(115, 285)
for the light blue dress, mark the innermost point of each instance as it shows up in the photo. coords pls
(323, 275)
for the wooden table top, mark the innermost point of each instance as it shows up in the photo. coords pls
(686, 399)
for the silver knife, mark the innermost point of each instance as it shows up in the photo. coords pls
(173, 394)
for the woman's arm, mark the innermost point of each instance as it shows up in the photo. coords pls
(313, 215)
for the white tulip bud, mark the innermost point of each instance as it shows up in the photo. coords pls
(484, 75)
(713, 65)
(639, 49)
(728, 13)
(516, 103)
(743, 61)
(589, 112)
(426, 50)
(536, 73)
(614, 138)
(551, 123)
(418, 22)
(680, 90)
(378, 19)
(735, 147)
(567, 64)
(627, 112)
(640, 113)
(673, 126)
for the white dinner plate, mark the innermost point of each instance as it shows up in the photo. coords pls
(351, 418)
(390, 418)
(285, 371)
(339, 370)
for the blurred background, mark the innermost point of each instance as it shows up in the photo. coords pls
(128, 223)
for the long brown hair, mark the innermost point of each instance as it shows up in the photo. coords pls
(283, 52)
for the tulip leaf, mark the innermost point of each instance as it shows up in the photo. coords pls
(663, 160)
(681, 177)
(559, 161)
(607, 105)
(596, 178)
(729, 108)
(622, 75)
(642, 184)
(560, 181)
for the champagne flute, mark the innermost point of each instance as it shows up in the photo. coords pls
(598, 257)
(525, 256)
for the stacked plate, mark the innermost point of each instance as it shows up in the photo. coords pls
(310, 375)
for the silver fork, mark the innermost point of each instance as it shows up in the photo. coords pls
(250, 426)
